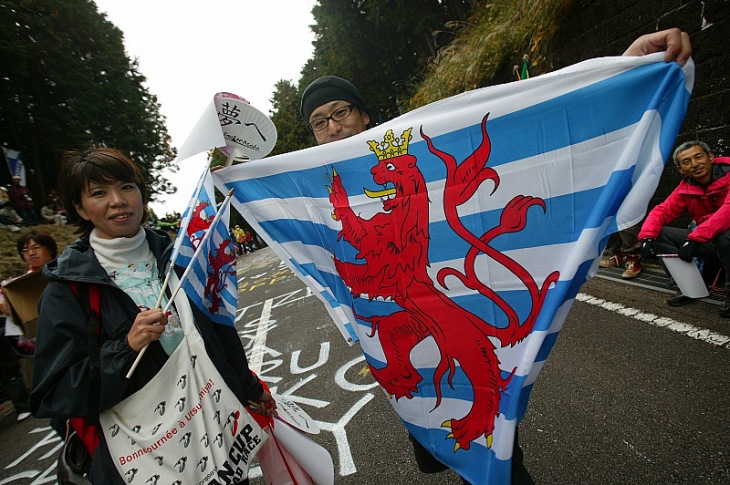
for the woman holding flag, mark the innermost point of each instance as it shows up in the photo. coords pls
(105, 196)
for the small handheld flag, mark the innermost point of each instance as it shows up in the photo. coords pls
(211, 283)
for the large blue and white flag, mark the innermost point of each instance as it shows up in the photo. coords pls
(453, 240)
(15, 164)
(210, 279)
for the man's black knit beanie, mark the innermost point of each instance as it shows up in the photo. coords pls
(327, 89)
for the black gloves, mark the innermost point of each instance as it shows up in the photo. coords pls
(647, 248)
(686, 252)
(688, 249)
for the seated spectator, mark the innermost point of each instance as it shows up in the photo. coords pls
(53, 199)
(22, 201)
(703, 194)
(51, 216)
(625, 248)
(9, 219)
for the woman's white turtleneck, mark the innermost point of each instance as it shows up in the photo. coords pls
(121, 251)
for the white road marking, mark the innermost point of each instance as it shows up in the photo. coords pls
(259, 341)
(703, 334)
(347, 463)
(324, 355)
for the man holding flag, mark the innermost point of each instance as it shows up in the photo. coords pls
(334, 110)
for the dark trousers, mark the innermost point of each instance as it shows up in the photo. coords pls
(29, 216)
(428, 464)
(717, 251)
(626, 241)
(10, 377)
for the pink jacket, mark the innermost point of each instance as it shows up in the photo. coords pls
(709, 206)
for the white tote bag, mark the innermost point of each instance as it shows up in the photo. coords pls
(185, 424)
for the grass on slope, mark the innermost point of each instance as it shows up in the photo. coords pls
(495, 37)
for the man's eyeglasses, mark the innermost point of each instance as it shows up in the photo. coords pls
(340, 114)
(27, 249)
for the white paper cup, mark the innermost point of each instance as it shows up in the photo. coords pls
(686, 276)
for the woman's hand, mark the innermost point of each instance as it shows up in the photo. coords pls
(673, 41)
(264, 405)
(147, 327)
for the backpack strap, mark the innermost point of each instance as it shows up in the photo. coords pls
(89, 296)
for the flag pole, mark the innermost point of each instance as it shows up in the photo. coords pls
(184, 276)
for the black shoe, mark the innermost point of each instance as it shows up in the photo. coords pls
(725, 308)
(681, 300)
(520, 476)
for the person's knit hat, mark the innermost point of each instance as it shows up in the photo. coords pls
(327, 89)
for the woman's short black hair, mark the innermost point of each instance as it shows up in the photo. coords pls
(97, 165)
(41, 237)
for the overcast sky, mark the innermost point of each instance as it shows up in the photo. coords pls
(189, 50)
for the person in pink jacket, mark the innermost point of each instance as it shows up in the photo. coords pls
(703, 194)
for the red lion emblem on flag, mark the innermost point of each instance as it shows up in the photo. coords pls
(393, 246)
(199, 223)
(220, 267)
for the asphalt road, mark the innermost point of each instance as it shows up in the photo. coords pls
(633, 392)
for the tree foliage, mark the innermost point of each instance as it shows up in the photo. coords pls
(292, 133)
(382, 46)
(67, 83)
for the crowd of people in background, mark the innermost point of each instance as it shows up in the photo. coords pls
(18, 208)
(36, 247)
(169, 223)
(245, 241)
